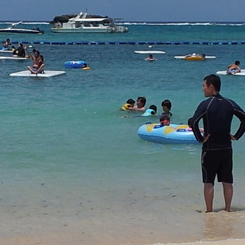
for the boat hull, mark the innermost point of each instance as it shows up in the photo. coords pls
(25, 31)
(81, 30)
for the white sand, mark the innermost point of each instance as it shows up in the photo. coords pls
(71, 240)
(225, 242)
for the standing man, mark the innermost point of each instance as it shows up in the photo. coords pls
(217, 113)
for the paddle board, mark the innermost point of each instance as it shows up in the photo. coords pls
(149, 52)
(27, 73)
(12, 58)
(6, 51)
(206, 57)
(242, 73)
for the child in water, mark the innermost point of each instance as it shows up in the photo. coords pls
(166, 107)
(165, 120)
(129, 104)
(150, 112)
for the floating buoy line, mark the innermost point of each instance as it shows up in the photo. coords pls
(130, 43)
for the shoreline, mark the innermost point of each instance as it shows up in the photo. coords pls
(220, 242)
(72, 240)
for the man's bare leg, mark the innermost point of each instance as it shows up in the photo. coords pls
(209, 196)
(228, 193)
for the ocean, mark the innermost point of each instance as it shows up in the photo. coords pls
(74, 170)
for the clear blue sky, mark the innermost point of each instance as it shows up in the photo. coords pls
(129, 10)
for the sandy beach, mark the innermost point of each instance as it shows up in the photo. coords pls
(226, 242)
(65, 239)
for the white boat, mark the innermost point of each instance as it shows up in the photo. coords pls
(81, 24)
(11, 30)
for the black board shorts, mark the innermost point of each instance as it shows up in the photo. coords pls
(217, 162)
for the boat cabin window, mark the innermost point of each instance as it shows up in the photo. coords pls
(95, 24)
(107, 23)
(77, 24)
(86, 23)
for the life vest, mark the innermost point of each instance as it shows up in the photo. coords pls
(125, 107)
(148, 112)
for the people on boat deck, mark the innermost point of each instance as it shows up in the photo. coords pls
(150, 58)
(165, 120)
(129, 104)
(150, 112)
(234, 68)
(140, 104)
(20, 51)
(37, 62)
(166, 107)
(6, 44)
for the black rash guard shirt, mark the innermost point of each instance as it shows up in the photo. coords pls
(217, 113)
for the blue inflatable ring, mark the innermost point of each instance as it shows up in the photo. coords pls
(74, 64)
(172, 134)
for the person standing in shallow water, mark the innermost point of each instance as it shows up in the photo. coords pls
(217, 113)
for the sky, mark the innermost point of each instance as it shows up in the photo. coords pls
(128, 10)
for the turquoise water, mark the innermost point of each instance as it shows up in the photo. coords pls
(71, 164)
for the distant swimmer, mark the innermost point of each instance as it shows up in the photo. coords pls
(234, 68)
(150, 58)
(85, 67)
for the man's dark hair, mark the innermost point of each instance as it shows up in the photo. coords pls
(214, 80)
(142, 100)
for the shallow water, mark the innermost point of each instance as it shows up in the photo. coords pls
(70, 164)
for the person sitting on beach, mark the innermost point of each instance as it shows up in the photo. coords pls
(38, 63)
(166, 107)
(140, 104)
(150, 112)
(234, 68)
(165, 120)
(129, 104)
(150, 58)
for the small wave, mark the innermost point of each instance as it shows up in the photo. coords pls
(184, 23)
(218, 242)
